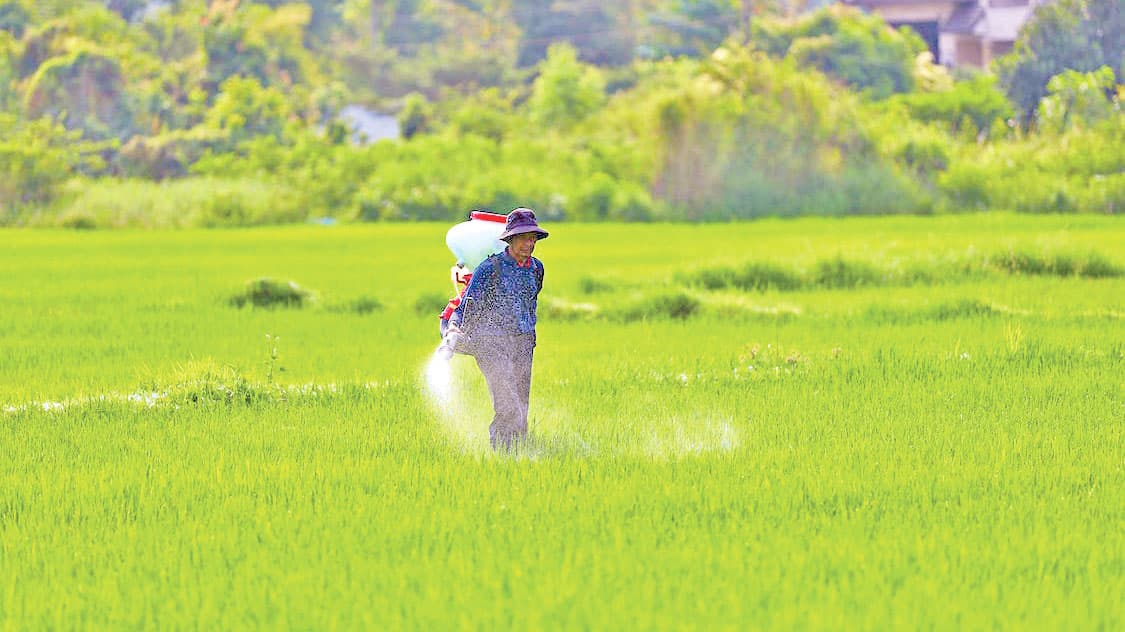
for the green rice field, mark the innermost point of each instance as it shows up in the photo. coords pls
(872, 423)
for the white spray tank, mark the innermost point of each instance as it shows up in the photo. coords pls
(477, 239)
(471, 242)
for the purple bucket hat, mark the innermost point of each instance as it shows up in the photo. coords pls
(522, 220)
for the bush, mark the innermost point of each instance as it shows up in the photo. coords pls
(270, 293)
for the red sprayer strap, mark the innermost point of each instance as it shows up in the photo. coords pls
(452, 304)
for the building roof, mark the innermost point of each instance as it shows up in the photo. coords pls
(964, 19)
(884, 3)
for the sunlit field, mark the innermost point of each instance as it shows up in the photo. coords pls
(873, 422)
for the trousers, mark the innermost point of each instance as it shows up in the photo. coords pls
(506, 364)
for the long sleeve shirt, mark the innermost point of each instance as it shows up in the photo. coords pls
(501, 305)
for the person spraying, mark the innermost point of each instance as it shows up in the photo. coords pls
(471, 243)
(495, 323)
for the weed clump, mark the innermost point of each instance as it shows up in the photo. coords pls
(362, 306)
(754, 276)
(1090, 264)
(763, 276)
(201, 384)
(964, 308)
(270, 293)
(840, 273)
(677, 305)
(591, 285)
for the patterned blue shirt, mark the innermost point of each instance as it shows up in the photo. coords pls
(501, 306)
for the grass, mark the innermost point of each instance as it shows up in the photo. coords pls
(945, 454)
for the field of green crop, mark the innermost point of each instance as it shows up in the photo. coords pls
(870, 423)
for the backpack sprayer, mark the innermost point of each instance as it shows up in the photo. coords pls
(471, 242)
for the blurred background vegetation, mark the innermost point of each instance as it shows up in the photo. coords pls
(181, 113)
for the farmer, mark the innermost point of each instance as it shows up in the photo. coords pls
(498, 315)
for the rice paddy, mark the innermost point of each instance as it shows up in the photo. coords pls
(866, 423)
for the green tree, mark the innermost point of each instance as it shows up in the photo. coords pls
(566, 90)
(245, 109)
(7, 70)
(14, 17)
(1081, 35)
(977, 100)
(85, 89)
(1078, 99)
(36, 158)
(601, 32)
(690, 27)
(859, 49)
(416, 116)
(253, 40)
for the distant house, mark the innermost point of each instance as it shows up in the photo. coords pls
(959, 33)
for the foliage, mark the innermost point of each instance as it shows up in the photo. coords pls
(203, 202)
(1078, 35)
(975, 102)
(1076, 99)
(36, 159)
(603, 37)
(690, 27)
(749, 136)
(857, 48)
(416, 115)
(246, 110)
(14, 18)
(566, 91)
(267, 292)
(1081, 170)
(828, 113)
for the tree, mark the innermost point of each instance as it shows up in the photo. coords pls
(85, 89)
(1077, 99)
(1081, 35)
(127, 9)
(14, 18)
(566, 90)
(7, 70)
(416, 116)
(692, 27)
(599, 31)
(36, 158)
(245, 109)
(859, 49)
